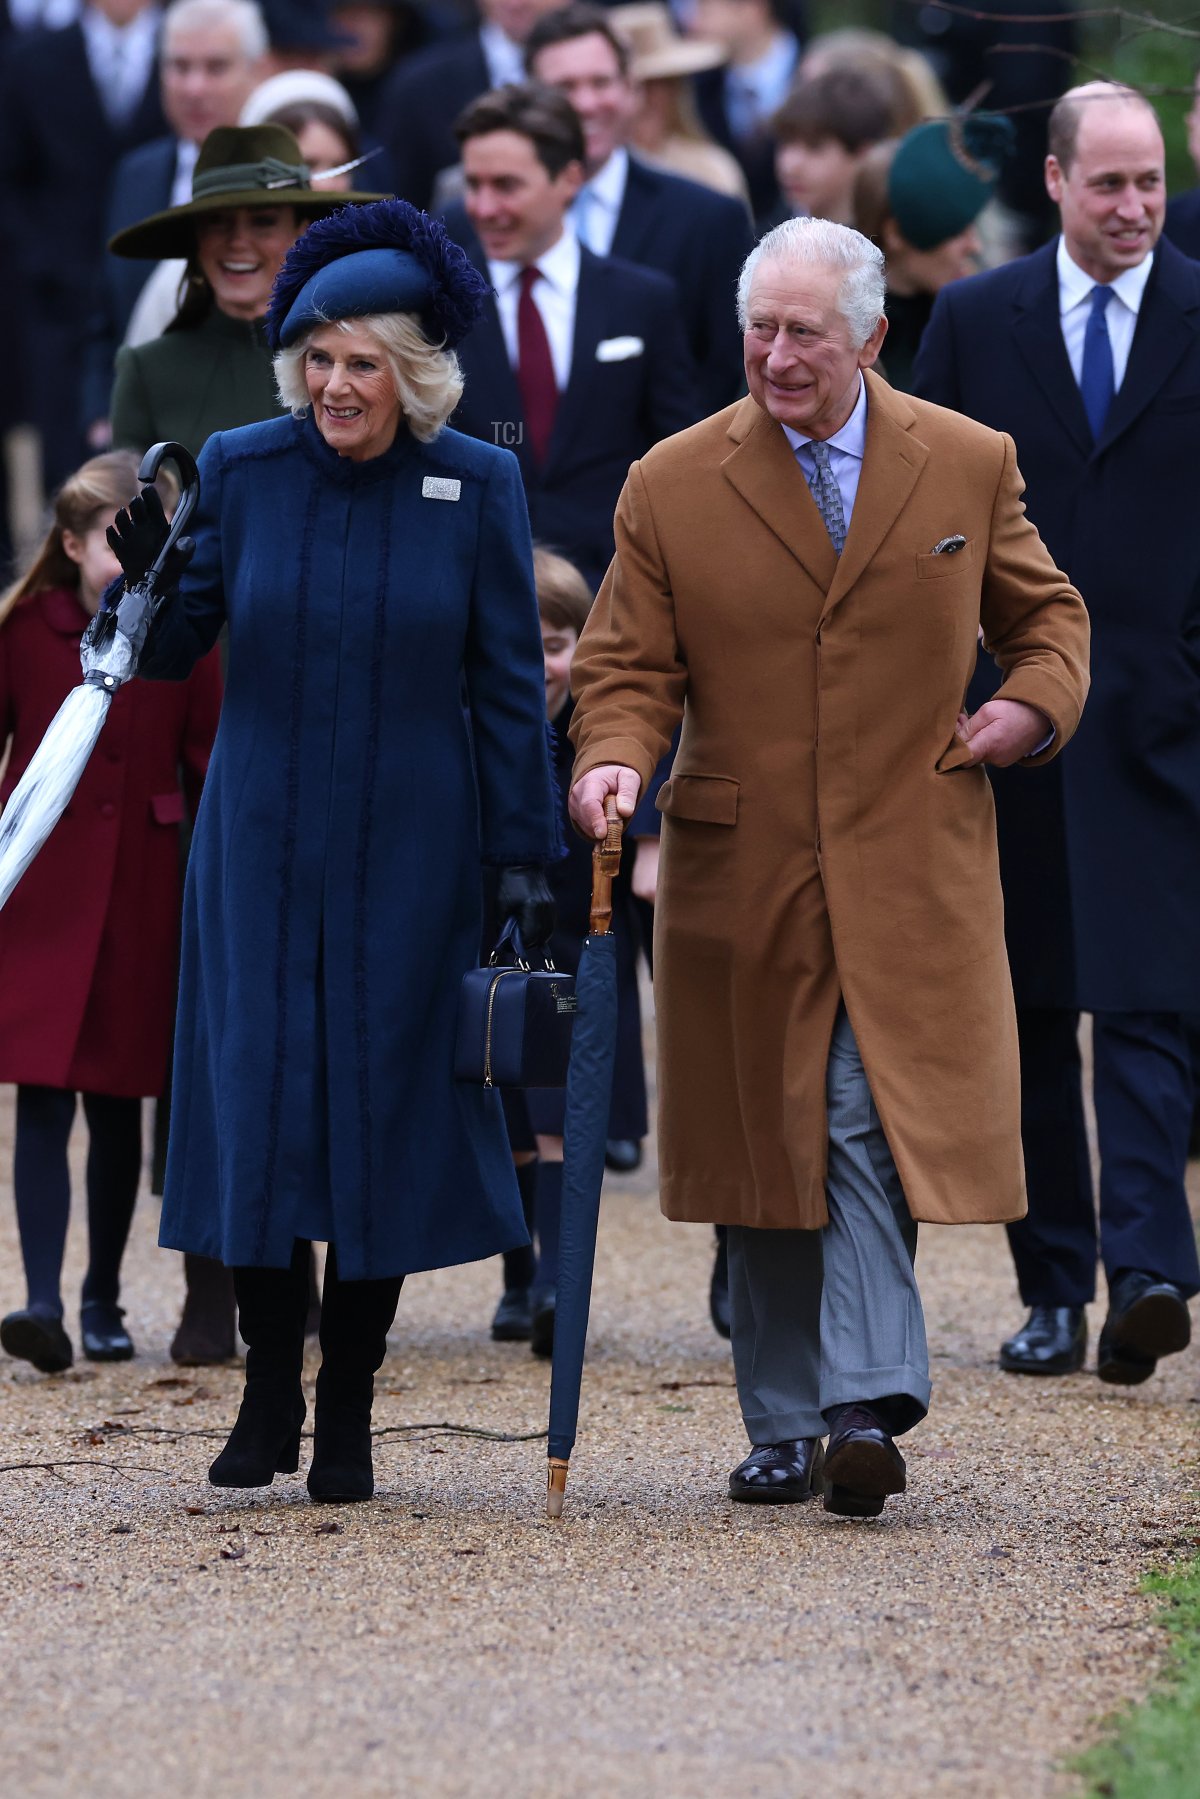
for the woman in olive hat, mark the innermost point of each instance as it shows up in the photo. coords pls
(252, 195)
(918, 197)
(374, 569)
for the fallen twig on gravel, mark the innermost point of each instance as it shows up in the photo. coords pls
(442, 1427)
(86, 1462)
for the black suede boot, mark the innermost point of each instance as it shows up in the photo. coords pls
(206, 1332)
(355, 1319)
(265, 1441)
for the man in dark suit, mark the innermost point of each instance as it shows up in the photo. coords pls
(1183, 212)
(579, 364)
(1088, 353)
(71, 103)
(210, 60)
(738, 101)
(628, 209)
(422, 99)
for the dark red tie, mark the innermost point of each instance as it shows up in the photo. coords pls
(535, 370)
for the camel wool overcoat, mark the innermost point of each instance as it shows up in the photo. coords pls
(823, 835)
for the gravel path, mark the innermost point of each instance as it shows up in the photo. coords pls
(447, 1639)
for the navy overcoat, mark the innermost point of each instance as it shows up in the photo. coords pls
(333, 896)
(1100, 849)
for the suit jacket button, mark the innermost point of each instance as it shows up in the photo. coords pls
(108, 810)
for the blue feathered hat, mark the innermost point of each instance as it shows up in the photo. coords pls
(384, 257)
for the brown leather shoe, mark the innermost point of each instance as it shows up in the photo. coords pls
(779, 1473)
(862, 1465)
(206, 1331)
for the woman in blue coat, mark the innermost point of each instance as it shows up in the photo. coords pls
(373, 569)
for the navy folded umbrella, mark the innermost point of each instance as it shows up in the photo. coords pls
(108, 655)
(585, 1131)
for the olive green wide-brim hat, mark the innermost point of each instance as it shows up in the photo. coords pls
(251, 165)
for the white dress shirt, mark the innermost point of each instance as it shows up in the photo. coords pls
(554, 294)
(185, 167)
(754, 90)
(504, 57)
(598, 204)
(1121, 314)
(121, 59)
(846, 448)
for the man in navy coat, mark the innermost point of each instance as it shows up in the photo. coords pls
(72, 102)
(645, 215)
(579, 363)
(1088, 353)
(425, 94)
(210, 60)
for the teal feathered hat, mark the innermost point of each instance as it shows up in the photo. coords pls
(944, 173)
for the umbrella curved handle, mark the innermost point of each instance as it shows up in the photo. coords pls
(606, 865)
(189, 496)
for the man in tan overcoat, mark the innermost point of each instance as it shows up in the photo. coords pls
(802, 578)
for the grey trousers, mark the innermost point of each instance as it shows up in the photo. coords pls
(833, 1317)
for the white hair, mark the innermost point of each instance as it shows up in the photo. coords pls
(428, 379)
(819, 242)
(243, 16)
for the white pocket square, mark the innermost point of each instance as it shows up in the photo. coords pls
(619, 349)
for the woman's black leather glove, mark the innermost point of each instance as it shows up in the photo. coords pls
(136, 536)
(523, 894)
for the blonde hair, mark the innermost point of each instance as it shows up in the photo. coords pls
(564, 598)
(427, 377)
(93, 491)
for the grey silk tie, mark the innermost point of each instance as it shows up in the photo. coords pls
(828, 495)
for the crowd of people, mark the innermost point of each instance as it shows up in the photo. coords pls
(470, 317)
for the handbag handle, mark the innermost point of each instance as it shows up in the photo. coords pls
(511, 941)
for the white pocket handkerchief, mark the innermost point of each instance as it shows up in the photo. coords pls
(439, 487)
(618, 349)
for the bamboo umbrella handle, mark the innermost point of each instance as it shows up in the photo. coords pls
(606, 864)
(556, 1486)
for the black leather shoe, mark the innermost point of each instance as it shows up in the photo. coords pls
(37, 1337)
(718, 1289)
(105, 1338)
(513, 1320)
(862, 1465)
(541, 1330)
(1052, 1340)
(1147, 1318)
(623, 1154)
(779, 1473)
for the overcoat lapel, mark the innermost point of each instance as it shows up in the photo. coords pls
(1037, 327)
(892, 462)
(1168, 319)
(764, 471)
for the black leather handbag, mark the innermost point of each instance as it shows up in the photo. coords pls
(514, 1021)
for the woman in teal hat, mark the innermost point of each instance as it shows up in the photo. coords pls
(918, 197)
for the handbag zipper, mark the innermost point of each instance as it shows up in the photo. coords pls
(487, 1041)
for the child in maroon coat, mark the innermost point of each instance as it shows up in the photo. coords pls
(89, 937)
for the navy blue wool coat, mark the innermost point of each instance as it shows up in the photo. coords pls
(1100, 849)
(333, 896)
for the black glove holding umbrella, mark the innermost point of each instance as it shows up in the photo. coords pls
(585, 1132)
(153, 555)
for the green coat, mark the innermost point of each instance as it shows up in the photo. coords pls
(187, 384)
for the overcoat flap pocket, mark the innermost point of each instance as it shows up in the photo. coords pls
(705, 799)
(167, 808)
